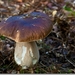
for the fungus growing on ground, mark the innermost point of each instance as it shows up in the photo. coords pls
(25, 30)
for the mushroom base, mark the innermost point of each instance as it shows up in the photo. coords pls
(26, 54)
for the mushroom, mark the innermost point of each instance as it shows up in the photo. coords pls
(25, 30)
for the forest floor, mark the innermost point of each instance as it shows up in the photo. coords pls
(57, 50)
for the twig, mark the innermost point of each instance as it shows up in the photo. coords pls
(9, 64)
(70, 61)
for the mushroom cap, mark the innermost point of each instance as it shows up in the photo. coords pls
(26, 28)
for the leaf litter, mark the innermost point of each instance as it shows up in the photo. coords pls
(57, 50)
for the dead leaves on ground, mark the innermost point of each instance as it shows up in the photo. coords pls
(57, 51)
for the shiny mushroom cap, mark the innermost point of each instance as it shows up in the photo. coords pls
(26, 28)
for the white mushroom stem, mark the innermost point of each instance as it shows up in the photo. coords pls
(26, 54)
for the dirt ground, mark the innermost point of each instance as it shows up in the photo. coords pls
(57, 50)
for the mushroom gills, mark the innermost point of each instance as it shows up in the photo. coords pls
(26, 54)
